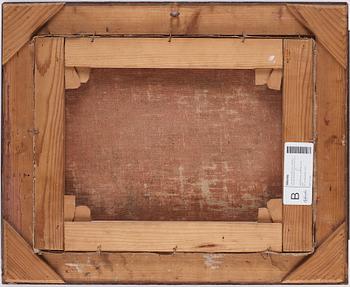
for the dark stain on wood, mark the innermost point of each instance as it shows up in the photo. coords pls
(207, 245)
(192, 26)
(169, 144)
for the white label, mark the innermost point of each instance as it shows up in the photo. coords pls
(298, 173)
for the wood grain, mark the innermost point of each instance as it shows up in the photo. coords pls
(21, 21)
(172, 144)
(78, 267)
(170, 236)
(199, 53)
(194, 19)
(21, 265)
(328, 23)
(49, 143)
(298, 126)
(18, 104)
(331, 165)
(327, 265)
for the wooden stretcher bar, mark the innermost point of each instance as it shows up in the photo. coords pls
(171, 236)
(298, 126)
(204, 53)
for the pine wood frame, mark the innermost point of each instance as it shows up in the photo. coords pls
(304, 259)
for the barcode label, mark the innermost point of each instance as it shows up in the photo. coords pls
(298, 173)
(298, 149)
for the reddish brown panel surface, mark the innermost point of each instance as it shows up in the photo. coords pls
(148, 144)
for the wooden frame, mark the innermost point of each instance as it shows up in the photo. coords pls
(133, 53)
(307, 257)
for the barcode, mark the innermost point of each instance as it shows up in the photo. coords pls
(299, 149)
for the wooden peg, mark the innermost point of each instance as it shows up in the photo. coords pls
(275, 80)
(82, 213)
(69, 207)
(72, 80)
(264, 215)
(83, 73)
(262, 76)
(275, 209)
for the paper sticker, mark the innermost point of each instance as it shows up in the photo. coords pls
(298, 173)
